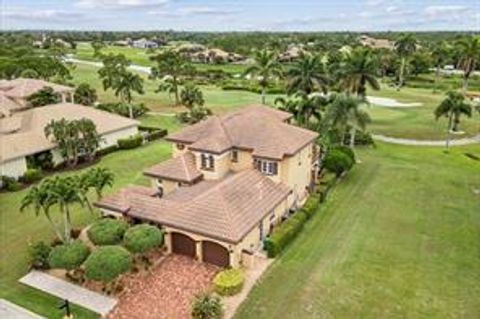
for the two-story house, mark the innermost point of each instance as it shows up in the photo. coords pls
(230, 180)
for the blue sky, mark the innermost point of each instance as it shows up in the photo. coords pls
(241, 15)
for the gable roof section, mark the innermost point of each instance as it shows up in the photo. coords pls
(181, 168)
(226, 210)
(22, 88)
(258, 128)
(29, 137)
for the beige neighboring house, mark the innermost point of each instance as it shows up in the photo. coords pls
(292, 53)
(22, 133)
(215, 56)
(18, 90)
(373, 43)
(231, 179)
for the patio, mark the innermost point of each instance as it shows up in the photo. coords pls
(166, 292)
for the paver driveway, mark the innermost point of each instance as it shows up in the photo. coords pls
(165, 293)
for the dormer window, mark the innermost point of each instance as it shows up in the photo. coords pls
(180, 146)
(267, 167)
(207, 162)
(234, 156)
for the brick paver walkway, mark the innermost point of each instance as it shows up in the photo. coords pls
(167, 292)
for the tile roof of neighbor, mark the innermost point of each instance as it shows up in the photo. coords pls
(181, 168)
(28, 126)
(119, 200)
(22, 88)
(226, 209)
(258, 128)
(7, 105)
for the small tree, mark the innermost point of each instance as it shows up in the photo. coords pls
(44, 96)
(141, 239)
(85, 94)
(68, 256)
(39, 253)
(107, 263)
(207, 306)
(191, 96)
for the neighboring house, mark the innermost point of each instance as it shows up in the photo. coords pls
(373, 43)
(292, 53)
(231, 179)
(22, 134)
(144, 44)
(215, 56)
(18, 90)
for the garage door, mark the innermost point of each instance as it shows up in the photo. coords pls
(216, 254)
(184, 245)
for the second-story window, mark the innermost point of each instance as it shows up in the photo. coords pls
(207, 161)
(267, 167)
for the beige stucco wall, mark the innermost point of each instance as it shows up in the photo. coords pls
(176, 151)
(221, 167)
(245, 161)
(14, 168)
(110, 139)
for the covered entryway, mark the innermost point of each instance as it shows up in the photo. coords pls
(183, 245)
(216, 254)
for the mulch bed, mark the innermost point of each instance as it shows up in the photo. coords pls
(166, 292)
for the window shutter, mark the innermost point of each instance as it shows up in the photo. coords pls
(212, 162)
(204, 160)
(274, 168)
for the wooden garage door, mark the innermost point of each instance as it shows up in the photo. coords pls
(184, 245)
(216, 254)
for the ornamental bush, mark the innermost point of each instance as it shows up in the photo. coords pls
(141, 239)
(32, 175)
(107, 231)
(39, 253)
(345, 149)
(130, 142)
(68, 256)
(285, 233)
(107, 263)
(229, 282)
(337, 162)
(207, 306)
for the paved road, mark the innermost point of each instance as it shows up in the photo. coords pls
(63, 289)
(10, 310)
(405, 141)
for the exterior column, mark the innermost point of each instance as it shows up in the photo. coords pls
(233, 260)
(64, 98)
(168, 242)
(199, 250)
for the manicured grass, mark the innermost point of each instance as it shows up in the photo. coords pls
(416, 122)
(17, 229)
(398, 238)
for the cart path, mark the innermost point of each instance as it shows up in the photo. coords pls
(404, 141)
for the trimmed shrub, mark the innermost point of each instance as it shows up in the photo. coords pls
(107, 150)
(141, 239)
(124, 109)
(107, 231)
(344, 149)
(107, 263)
(68, 256)
(229, 282)
(39, 253)
(207, 306)
(32, 175)
(130, 142)
(337, 162)
(10, 183)
(311, 205)
(152, 132)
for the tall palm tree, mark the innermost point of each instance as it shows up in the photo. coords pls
(469, 52)
(307, 75)
(344, 114)
(452, 107)
(359, 69)
(266, 67)
(440, 54)
(128, 82)
(405, 46)
(304, 107)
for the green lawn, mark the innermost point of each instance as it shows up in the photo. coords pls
(18, 229)
(417, 122)
(398, 238)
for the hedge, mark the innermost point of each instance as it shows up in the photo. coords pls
(337, 161)
(130, 142)
(141, 239)
(68, 256)
(107, 263)
(32, 175)
(108, 150)
(229, 282)
(107, 231)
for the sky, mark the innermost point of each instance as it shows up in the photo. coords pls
(241, 15)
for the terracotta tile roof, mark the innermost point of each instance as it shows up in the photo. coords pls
(120, 201)
(22, 88)
(257, 128)
(226, 210)
(29, 137)
(7, 105)
(181, 168)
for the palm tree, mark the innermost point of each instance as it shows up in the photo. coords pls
(307, 75)
(304, 107)
(265, 68)
(96, 178)
(452, 107)
(344, 114)
(440, 54)
(359, 69)
(44, 96)
(39, 199)
(85, 94)
(127, 83)
(469, 52)
(405, 46)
